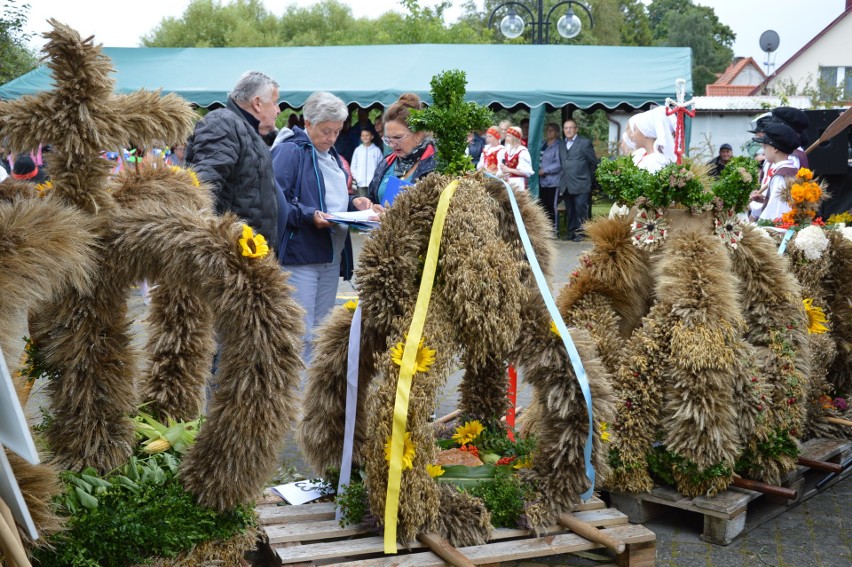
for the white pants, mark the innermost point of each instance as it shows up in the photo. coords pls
(316, 291)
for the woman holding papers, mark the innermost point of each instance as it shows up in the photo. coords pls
(313, 184)
(412, 153)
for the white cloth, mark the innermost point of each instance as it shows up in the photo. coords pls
(519, 182)
(364, 162)
(655, 124)
(652, 163)
(3, 174)
(776, 206)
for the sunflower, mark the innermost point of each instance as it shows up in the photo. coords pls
(816, 317)
(425, 356)
(253, 245)
(554, 329)
(435, 470)
(351, 305)
(192, 176)
(468, 432)
(604, 432)
(408, 451)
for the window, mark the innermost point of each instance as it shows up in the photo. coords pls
(847, 84)
(828, 83)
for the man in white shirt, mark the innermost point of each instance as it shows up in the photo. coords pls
(364, 161)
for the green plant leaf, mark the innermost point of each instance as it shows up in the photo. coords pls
(87, 501)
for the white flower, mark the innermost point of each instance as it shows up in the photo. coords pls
(618, 211)
(846, 231)
(812, 242)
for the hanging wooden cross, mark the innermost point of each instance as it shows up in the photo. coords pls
(680, 108)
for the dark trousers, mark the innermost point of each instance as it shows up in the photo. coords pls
(577, 211)
(548, 197)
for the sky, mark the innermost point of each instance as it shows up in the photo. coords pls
(117, 27)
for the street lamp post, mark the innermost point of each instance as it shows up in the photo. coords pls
(568, 26)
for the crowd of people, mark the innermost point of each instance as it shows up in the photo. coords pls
(324, 163)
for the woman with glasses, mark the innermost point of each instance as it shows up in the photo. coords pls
(312, 183)
(412, 153)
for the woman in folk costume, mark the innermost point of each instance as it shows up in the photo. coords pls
(515, 160)
(489, 158)
(652, 133)
(779, 142)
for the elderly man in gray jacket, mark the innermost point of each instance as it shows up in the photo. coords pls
(228, 151)
(579, 163)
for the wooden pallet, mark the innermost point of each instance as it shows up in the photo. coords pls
(309, 535)
(737, 511)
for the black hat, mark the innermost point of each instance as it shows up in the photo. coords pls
(25, 169)
(780, 136)
(792, 117)
(725, 147)
(758, 123)
(795, 119)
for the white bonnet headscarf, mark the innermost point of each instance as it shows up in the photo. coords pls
(656, 125)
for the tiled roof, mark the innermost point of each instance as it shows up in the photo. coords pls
(723, 87)
(729, 90)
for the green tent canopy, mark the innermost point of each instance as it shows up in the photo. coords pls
(505, 75)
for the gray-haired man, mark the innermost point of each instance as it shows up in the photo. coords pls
(227, 151)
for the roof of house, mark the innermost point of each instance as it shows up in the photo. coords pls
(723, 86)
(804, 48)
(747, 104)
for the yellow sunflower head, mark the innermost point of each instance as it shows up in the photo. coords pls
(425, 356)
(351, 305)
(253, 245)
(816, 317)
(435, 470)
(468, 432)
(408, 451)
(554, 329)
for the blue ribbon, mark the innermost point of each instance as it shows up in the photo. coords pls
(573, 355)
(787, 236)
(351, 404)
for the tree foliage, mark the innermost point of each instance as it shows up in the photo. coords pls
(247, 23)
(680, 23)
(15, 57)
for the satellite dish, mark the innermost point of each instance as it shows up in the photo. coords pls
(769, 41)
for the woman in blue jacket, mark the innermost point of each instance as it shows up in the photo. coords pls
(313, 184)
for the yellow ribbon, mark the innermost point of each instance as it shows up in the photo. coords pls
(406, 371)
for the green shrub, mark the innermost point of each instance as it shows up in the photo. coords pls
(135, 514)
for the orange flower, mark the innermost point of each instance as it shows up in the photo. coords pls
(805, 174)
(789, 217)
(812, 192)
(797, 192)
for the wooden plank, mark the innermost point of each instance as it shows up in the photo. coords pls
(313, 531)
(824, 449)
(726, 504)
(594, 503)
(288, 514)
(318, 551)
(516, 549)
(370, 545)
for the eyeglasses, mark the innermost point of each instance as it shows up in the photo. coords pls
(395, 140)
